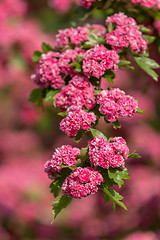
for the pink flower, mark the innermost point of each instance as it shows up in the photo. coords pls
(71, 35)
(98, 59)
(108, 154)
(147, 3)
(142, 236)
(114, 103)
(79, 91)
(48, 72)
(82, 182)
(87, 3)
(77, 119)
(64, 155)
(66, 57)
(126, 34)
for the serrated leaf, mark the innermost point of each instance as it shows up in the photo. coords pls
(36, 56)
(117, 175)
(115, 197)
(96, 133)
(134, 155)
(62, 114)
(109, 76)
(46, 47)
(116, 124)
(56, 186)
(144, 29)
(140, 111)
(147, 66)
(106, 197)
(79, 135)
(150, 39)
(125, 64)
(59, 204)
(50, 95)
(36, 96)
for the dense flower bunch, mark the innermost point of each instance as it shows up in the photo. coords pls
(70, 76)
(98, 59)
(48, 72)
(148, 3)
(82, 182)
(108, 154)
(63, 155)
(77, 119)
(126, 34)
(79, 92)
(114, 104)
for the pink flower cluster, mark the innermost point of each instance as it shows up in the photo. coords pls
(126, 34)
(48, 72)
(68, 56)
(10, 8)
(142, 236)
(114, 103)
(87, 3)
(108, 154)
(71, 36)
(63, 155)
(77, 119)
(98, 59)
(157, 26)
(98, 28)
(61, 6)
(148, 3)
(79, 91)
(82, 182)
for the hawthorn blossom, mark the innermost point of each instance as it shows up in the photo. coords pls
(79, 91)
(71, 36)
(148, 3)
(115, 103)
(82, 182)
(63, 155)
(48, 72)
(77, 119)
(126, 34)
(98, 59)
(108, 154)
(66, 57)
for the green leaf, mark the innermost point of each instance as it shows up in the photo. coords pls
(50, 95)
(56, 186)
(93, 39)
(106, 197)
(46, 47)
(116, 124)
(110, 27)
(36, 96)
(62, 114)
(36, 56)
(147, 64)
(79, 135)
(59, 204)
(140, 111)
(115, 197)
(134, 155)
(107, 181)
(125, 64)
(84, 153)
(96, 133)
(144, 29)
(117, 175)
(79, 58)
(150, 39)
(109, 76)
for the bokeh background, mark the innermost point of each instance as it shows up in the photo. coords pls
(29, 135)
